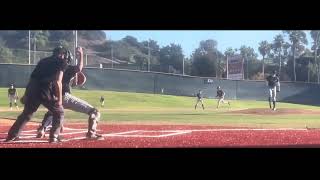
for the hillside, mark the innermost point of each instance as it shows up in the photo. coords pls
(14, 46)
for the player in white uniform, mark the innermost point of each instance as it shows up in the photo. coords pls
(220, 95)
(273, 84)
(13, 96)
(199, 99)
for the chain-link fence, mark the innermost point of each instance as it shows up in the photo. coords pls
(162, 83)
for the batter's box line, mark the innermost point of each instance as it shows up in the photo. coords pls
(23, 141)
(126, 134)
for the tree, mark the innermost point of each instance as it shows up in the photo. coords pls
(316, 43)
(206, 59)
(5, 55)
(264, 49)
(229, 52)
(171, 56)
(277, 48)
(132, 41)
(298, 40)
(249, 55)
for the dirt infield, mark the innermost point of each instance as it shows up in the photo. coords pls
(281, 111)
(164, 136)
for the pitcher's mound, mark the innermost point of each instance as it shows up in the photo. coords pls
(280, 111)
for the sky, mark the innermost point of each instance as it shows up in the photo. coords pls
(189, 40)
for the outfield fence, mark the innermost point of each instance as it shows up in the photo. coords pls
(172, 84)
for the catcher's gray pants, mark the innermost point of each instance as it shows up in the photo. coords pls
(75, 104)
(272, 93)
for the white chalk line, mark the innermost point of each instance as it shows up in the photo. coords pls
(127, 133)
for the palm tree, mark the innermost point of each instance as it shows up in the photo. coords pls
(297, 39)
(278, 44)
(264, 49)
(315, 37)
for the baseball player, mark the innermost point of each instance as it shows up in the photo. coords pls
(13, 96)
(44, 87)
(273, 84)
(102, 101)
(199, 99)
(73, 103)
(220, 96)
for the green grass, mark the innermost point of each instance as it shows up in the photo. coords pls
(122, 107)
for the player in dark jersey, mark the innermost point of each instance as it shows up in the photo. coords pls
(44, 87)
(220, 96)
(273, 84)
(73, 103)
(102, 101)
(199, 99)
(13, 96)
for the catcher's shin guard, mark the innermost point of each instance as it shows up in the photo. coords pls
(93, 120)
(274, 104)
(270, 102)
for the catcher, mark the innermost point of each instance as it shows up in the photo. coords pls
(73, 77)
(13, 96)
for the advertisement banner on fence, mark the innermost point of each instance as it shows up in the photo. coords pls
(235, 67)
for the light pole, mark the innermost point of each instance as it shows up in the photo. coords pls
(29, 47)
(183, 66)
(148, 56)
(111, 56)
(34, 49)
(75, 32)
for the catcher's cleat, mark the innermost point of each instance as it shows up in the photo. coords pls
(10, 139)
(55, 140)
(91, 136)
(41, 134)
(274, 109)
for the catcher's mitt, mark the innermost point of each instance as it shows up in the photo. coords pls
(22, 100)
(79, 79)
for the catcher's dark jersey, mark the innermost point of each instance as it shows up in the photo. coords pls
(199, 95)
(220, 93)
(272, 81)
(67, 76)
(12, 91)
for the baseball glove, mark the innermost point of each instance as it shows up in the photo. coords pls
(22, 100)
(79, 79)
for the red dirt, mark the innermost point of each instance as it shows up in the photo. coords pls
(205, 136)
(281, 111)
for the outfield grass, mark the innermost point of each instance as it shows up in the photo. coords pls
(122, 107)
